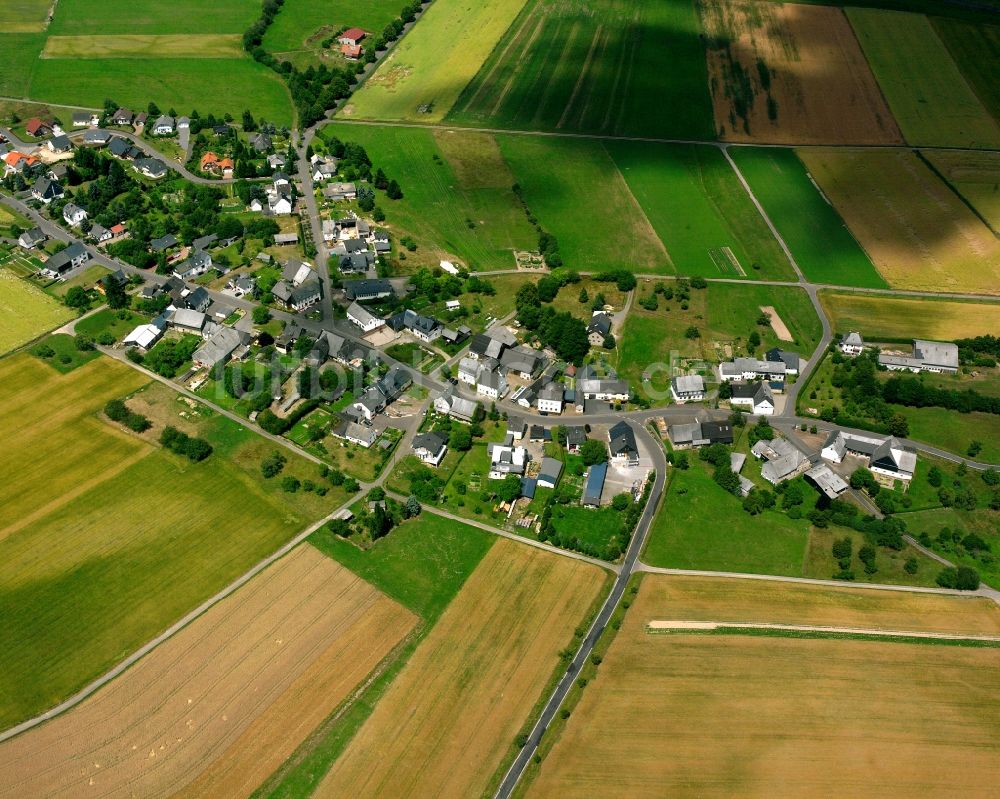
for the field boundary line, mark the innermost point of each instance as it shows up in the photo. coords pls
(172, 630)
(664, 626)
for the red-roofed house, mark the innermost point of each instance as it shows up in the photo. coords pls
(352, 36)
(18, 162)
(37, 127)
(352, 51)
(226, 165)
(209, 162)
(118, 230)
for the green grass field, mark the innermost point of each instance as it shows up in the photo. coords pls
(954, 431)
(984, 523)
(434, 61)
(976, 51)
(593, 67)
(927, 93)
(697, 207)
(104, 17)
(421, 564)
(700, 526)
(26, 312)
(109, 321)
(174, 45)
(24, 16)
(87, 573)
(222, 86)
(575, 190)
(822, 245)
(300, 20)
(469, 182)
(725, 314)
(18, 57)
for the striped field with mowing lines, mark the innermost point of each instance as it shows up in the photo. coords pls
(174, 45)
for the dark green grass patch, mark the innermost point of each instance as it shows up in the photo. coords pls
(18, 57)
(976, 50)
(698, 208)
(66, 356)
(822, 245)
(596, 67)
(108, 17)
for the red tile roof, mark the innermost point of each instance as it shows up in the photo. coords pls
(355, 34)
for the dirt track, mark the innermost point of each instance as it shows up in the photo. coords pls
(217, 708)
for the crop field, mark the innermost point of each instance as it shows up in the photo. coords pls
(226, 86)
(697, 206)
(976, 176)
(448, 719)
(449, 180)
(213, 711)
(174, 45)
(303, 24)
(822, 245)
(927, 93)
(792, 74)
(724, 314)
(423, 76)
(24, 16)
(105, 17)
(87, 573)
(593, 67)
(26, 312)
(900, 318)
(803, 717)
(917, 232)
(976, 50)
(577, 193)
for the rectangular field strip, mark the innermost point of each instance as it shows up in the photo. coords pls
(177, 45)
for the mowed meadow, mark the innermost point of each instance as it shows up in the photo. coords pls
(816, 717)
(919, 234)
(595, 67)
(446, 723)
(221, 705)
(87, 573)
(26, 311)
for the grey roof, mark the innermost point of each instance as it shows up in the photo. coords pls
(621, 439)
(688, 384)
(595, 484)
(219, 347)
(431, 441)
(361, 314)
(163, 243)
(550, 470)
(204, 241)
(827, 481)
(790, 359)
(854, 339)
(599, 323)
(367, 289)
(34, 236)
(575, 436)
(119, 147)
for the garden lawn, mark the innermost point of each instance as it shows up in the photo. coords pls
(593, 529)
(78, 17)
(701, 526)
(26, 312)
(593, 67)
(819, 240)
(697, 207)
(66, 357)
(577, 194)
(108, 321)
(882, 318)
(223, 86)
(424, 74)
(457, 201)
(421, 564)
(926, 91)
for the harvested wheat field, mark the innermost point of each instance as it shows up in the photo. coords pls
(976, 176)
(445, 724)
(215, 710)
(917, 232)
(879, 317)
(791, 74)
(689, 715)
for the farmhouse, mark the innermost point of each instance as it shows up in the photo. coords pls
(886, 457)
(296, 272)
(457, 407)
(74, 214)
(145, 336)
(298, 298)
(363, 319)
(186, 319)
(594, 485)
(827, 480)
(424, 328)
(430, 447)
(928, 356)
(506, 459)
(46, 190)
(65, 260)
(455, 336)
(219, 347)
(599, 328)
(491, 383)
(752, 369)
(621, 443)
(352, 36)
(852, 344)
(783, 460)
(754, 397)
(549, 472)
(789, 359)
(523, 361)
(604, 390)
(687, 388)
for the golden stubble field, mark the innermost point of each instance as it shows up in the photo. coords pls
(444, 725)
(917, 232)
(818, 77)
(898, 317)
(976, 176)
(744, 716)
(215, 710)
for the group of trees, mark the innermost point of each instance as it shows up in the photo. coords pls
(168, 356)
(179, 442)
(117, 411)
(861, 393)
(559, 330)
(913, 392)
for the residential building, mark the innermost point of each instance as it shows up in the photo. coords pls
(122, 117)
(827, 480)
(74, 214)
(186, 319)
(46, 190)
(599, 328)
(430, 448)
(783, 460)
(164, 126)
(198, 263)
(367, 290)
(928, 356)
(363, 318)
(100, 234)
(296, 272)
(550, 399)
(790, 359)
(516, 428)
(887, 457)
(491, 383)
(575, 436)
(852, 344)
(622, 445)
(506, 459)
(32, 238)
(752, 369)
(219, 347)
(261, 142)
(85, 119)
(370, 403)
(96, 138)
(163, 243)
(606, 390)
(757, 398)
(151, 167)
(594, 485)
(455, 406)
(37, 128)
(59, 144)
(65, 260)
(340, 191)
(549, 473)
(522, 361)
(687, 388)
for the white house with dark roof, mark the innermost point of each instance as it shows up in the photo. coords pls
(455, 406)
(687, 388)
(549, 473)
(164, 126)
(363, 318)
(887, 457)
(757, 398)
(430, 447)
(550, 398)
(852, 344)
(74, 214)
(622, 445)
(599, 328)
(506, 459)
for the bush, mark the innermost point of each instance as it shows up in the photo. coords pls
(290, 484)
(180, 443)
(272, 465)
(117, 411)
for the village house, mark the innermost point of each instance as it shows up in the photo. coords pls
(367, 290)
(121, 117)
(336, 192)
(826, 480)
(687, 388)
(789, 359)
(700, 434)
(605, 390)
(163, 243)
(352, 36)
(219, 347)
(622, 445)
(363, 318)
(46, 190)
(506, 458)
(430, 448)
(298, 298)
(522, 361)
(85, 119)
(783, 460)
(852, 344)
(355, 433)
(59, 144)
(491, 383)
(100, 234)
(164, 126)
(599, 328)
(457, 407)
(37, 128)
(150, 167)
(145, 336)
(65, 261)
(752, 369)
(886, 457)
(32, 238)
(423, 328)
(550, 399)
(549, 472)
(296, 272)
(74, 214)
(18, 163)
(261, 142)
(198, 263)
(757, 398)
(96, 138)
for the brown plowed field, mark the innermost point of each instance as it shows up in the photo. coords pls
(917, 232)
(444, 725)
(816, 74)
(216, 709)
(688, 715)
